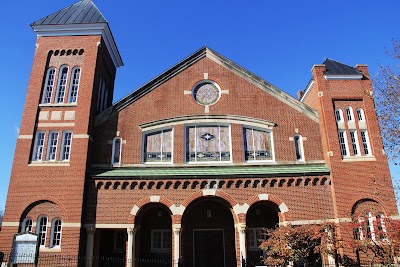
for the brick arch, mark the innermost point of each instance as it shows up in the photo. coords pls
(219, 194)
(148, 200)
(359, 198)
(30, 205)
(284, 215)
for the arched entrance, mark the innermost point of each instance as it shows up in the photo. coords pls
(208, 234)
(261, 215)
(154, 237)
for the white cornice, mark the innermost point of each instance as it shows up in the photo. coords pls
(343, 77)
(83, 29)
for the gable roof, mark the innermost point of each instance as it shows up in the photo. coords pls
(337, 68)
(84, 11)
(206, 52)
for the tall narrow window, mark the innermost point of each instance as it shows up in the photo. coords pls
(365, 142)
(343, 143)
(27, 225)
(349, 114)
(354, 142)
(102, 97)
(66, 145)
(360, 114)
(62, 83)
(56, 233)
(48, 86)
(116, 150)
(158, 146)
(381, 227)
(74, 85)
(42, 230)
(38, 146)
(208, 143)
(370, 227)
(52, 146)
(338, 115)
(298, 147)
(257, 144)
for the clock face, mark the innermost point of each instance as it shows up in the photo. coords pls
(206, 93)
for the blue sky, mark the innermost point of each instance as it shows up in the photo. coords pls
(277, 40)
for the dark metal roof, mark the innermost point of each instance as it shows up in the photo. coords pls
(336, 68)
(84, 11)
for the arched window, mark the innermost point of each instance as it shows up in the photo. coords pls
(27, 225)
(48, 86)
(360, 114)
(62, 84)
(41, 230)
(338, 115)
(56, 228)
(74, 85)
(116, 150)
(298, 147)
(349, 114)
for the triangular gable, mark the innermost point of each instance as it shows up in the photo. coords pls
(223, 61)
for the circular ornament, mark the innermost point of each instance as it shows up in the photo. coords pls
(206, 93)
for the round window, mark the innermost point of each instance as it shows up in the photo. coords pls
(206, 93)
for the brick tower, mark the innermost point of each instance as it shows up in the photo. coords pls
(350, 134)
(72, 80)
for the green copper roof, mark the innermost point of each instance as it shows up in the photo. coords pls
(231, 171)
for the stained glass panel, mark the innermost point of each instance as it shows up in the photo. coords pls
(158, 146)
(257, 144)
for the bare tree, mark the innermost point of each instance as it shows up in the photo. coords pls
(387, 102)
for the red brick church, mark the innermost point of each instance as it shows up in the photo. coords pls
(192, 165)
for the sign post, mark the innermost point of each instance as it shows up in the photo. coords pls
(25, 249)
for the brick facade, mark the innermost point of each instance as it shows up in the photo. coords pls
(88, 193)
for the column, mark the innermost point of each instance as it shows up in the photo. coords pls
(176, 228)
(89, 246)
(242, 240)
(130, 255)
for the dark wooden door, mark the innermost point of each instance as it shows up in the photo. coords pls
(209, 248)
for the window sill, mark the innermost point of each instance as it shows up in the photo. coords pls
(58, 105)
(46, 249)
(49, 163)
(359, 158)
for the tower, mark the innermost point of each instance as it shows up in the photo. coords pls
(72, 80)
(361, 181)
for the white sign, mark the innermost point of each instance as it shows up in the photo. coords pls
(24, 248)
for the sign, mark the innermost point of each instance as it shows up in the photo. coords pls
(25, 248)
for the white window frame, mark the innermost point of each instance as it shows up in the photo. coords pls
(354, 143)
(61, 85)
(271, 136)
(41, 230)
(360, 114)
(38, 149)
(338, 115)
(381, 226)
(163, 232)
(49, 86)
(113, 150)
(345, 144)
(74, 85)
(349, 113)
(365, 142)
(56, 242)
(299, 147)
(208, 125)
(27, 223)
(144, 145)
(64, 146)
(370, 226)
(52, 146)
(256, 234)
